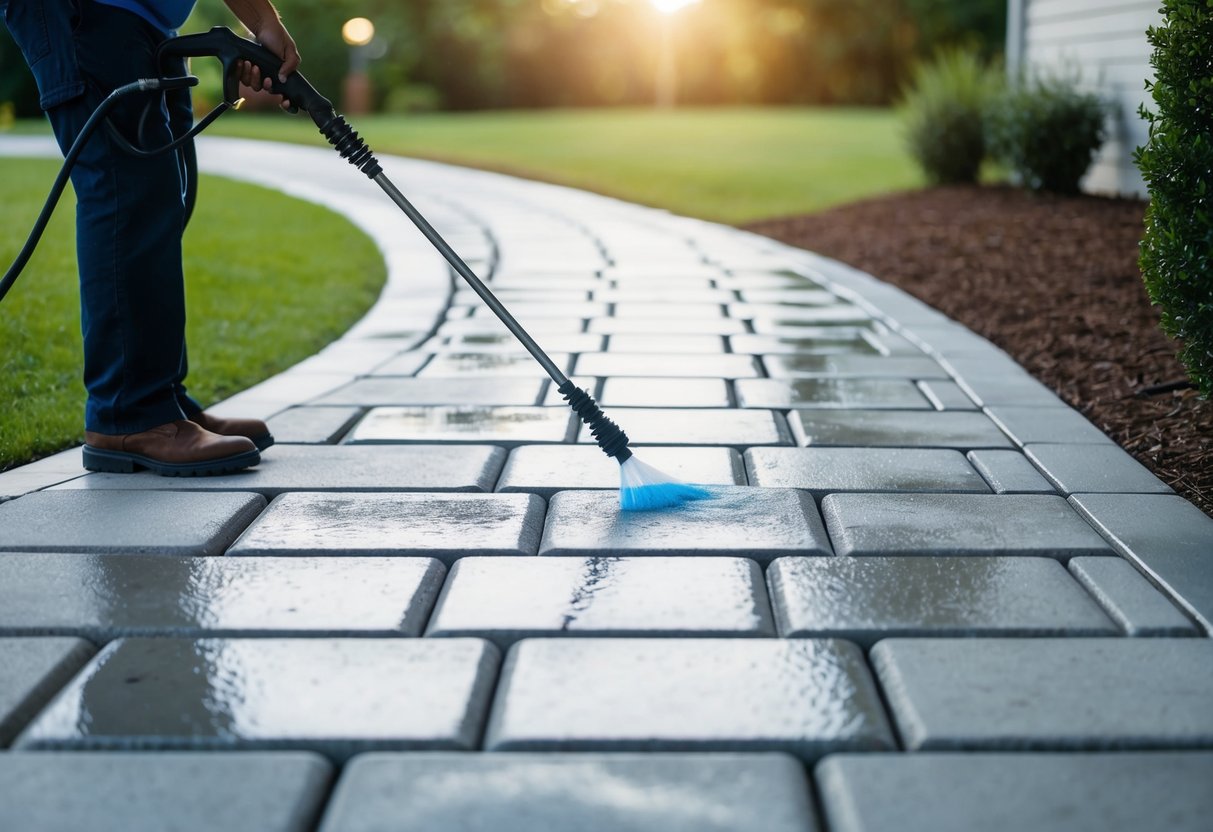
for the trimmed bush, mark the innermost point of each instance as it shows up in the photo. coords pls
(1047, 132)
(942, 115)
(1177, 164)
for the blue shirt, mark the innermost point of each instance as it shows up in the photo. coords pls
(166, 15)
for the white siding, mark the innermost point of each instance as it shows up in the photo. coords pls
(1103, 43)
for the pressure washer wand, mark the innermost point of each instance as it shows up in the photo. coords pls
(643, 486)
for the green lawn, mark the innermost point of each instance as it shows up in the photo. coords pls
(255, 304)
(728, 164)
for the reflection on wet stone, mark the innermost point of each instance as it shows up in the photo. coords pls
(491, 364)
(506, 426)
(958, 524)
(832, 470)
(867, 599)
(830, 394)
(360, 695)
(757, 523)
(852, 366)
(504, 600)
(258, 791)
(871, 428)
(803, 697)
(443, 526)
(103, 597)
(1048, 694)
(33, 670)
(546, 469)
(585, 792)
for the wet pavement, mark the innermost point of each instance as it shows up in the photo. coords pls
(923, 595)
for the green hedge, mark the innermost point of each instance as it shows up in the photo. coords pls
(1177, 164)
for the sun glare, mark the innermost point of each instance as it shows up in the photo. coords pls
(671, 6)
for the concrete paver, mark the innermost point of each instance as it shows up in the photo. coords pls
(1001, 792)
(181, 791)
(587, 792)
(34, 671)
(758, 524)
(226, 694)
(406, 364)
(866, 599)
(488, 365)
(442, 526)
(825, 344)
(656, 326)
(665, 392)
(505, 342)
(689, 344)
(312, 425)
(872, 428)
(1167, 537)
(958, 524)
(1093, 469)
(699, 427)
(674, 365)
(104, 597)
(1129, 599)
(546, 469)
(831, 394)
(769, 318)
(386, 392)
(1028, 425)
(805, 697)
(1048, 694)
(137, 522)
(504, 599)
(503, 426)
(1010, 472)
(852, 366)
(946, 395)
(824, 471)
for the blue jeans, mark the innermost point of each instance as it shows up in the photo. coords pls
(130, 212)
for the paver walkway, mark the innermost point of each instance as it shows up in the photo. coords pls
(925, 596)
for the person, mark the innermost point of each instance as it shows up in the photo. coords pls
(130, 216)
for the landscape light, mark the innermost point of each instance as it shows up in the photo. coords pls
(358, 31)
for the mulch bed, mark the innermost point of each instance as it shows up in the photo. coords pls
(1053, 281)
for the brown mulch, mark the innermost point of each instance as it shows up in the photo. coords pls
(1053, 281)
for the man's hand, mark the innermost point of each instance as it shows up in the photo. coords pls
(262, 20)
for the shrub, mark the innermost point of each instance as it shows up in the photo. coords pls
(1047, 132)
(942, 114)
(1177, 164)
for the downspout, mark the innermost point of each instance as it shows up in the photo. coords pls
(1016, 41)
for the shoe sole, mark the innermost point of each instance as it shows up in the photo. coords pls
(119, 462)
(264, 441)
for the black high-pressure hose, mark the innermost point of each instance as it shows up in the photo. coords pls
(69, 161)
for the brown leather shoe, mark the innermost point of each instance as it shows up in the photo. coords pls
(175, 449)
(254, 429)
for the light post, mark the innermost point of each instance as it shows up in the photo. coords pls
(357, 32)
(667, 67)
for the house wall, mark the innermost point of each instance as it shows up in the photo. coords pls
(1104, 43)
